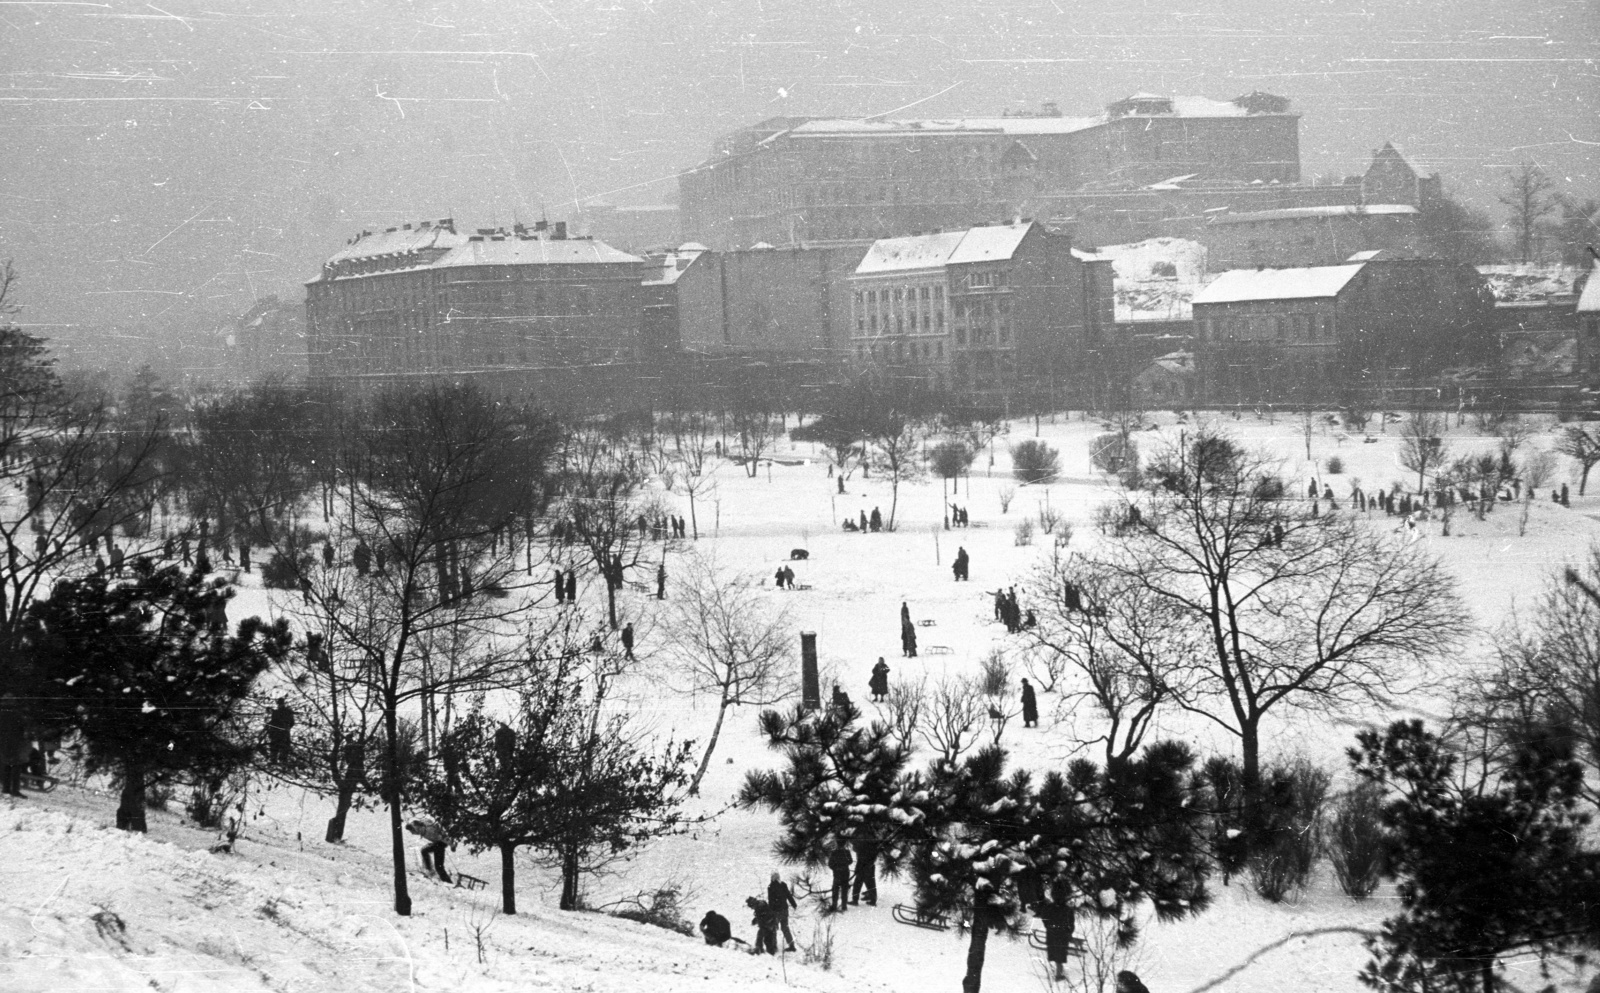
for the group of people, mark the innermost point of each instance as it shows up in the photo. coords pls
(663, 526)
(908, 633)
(873, 523)
(19, 754)
(768, 916)
(958, 516)
(1007, 611)
(783, 578)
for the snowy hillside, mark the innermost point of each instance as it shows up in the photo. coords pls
(85, 907)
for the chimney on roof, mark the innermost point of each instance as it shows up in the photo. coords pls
(1050, 109)
(541, 225)
(407, 226)
(560, 233)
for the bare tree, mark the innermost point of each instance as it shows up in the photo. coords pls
(1422, 449)
(1120, 636)
(952, 718)
(446, 471)
(600, 509)
(70, 474)
(756, 424)
(1530, 194)
(726, 640)
(692, 454)
(1290, 611)
(1547, 674)
(1581, 444)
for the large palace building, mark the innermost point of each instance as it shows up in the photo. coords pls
(797, 179)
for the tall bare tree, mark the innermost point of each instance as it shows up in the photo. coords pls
(727, 641)
(447, 471)
(1291, 611)
(1530, 194)
(1423, 450)
(599, 507)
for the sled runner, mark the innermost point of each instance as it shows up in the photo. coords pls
(907, 914)
(39, 784)
(470, 882)
(938, 650)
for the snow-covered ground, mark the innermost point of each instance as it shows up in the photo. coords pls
(1156, 279)
(284, 913)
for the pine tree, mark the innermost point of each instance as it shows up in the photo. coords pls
(564, 780)
(1489, 866)
(141, 670)
(983, 846)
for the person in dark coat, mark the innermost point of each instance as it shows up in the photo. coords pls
(280, 724)
(879, 683)
(839, 863)
(1030, 706)
(433, 852)
(361, 558)
(627, 639)
(561, 587)
(959, 566)
(766, 924)
(877, 520)
(572, 586)
(14, 745)
(780, 898)
(866, 871)
(661, 581)
(841, 699)
(116, 560)
(244, 554)
(183, 550)
(327, 555)
(716, 928)
(1059, 920)
(863, 522)
(1128, 982)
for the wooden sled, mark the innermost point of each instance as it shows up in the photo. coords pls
(470, 882)
(926, 622)
(801, 586)
(937, 650)
(1076, 946)
(38, 784)
(906, 914)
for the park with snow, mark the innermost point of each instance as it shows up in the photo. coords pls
(272, 906)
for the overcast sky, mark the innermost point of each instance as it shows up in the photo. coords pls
(166, 160)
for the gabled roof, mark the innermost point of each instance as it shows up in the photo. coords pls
(1311, 282)
(1422, 169)
(930, 251)
(1589, 299)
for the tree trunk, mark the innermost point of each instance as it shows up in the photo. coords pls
(508, 879)
(569, 880)
(611, 595)
(397, 838)
(894, 500)
(705, 760)
(1583, 479)
(130, 811)
(346, 797)
(977, 949)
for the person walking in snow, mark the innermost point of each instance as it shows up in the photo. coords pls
(1059, 920)
(866, 871)
(1030, 706)
(627, 640)
(839, 863)
(780, 898)
(766, 925)
(661, 581)
(327, 555)
(429, 830)
(361, 558)
(877, 520)
(280, 723)
(879, 683)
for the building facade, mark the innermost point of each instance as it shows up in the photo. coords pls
(988, 311)
(428, 300)
(1309, 236)
(1318, 333)
(792, 179)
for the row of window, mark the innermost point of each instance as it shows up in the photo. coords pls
(1275, 327)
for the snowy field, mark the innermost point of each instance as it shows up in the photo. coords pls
(85, 907)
